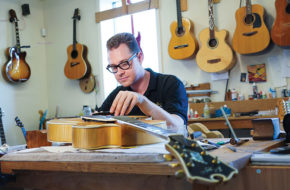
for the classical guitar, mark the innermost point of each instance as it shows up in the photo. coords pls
(251, 34)
(280, 32)
(182, 44)
(197, 164)
(16, 68)
(215, 55)
(77, 65)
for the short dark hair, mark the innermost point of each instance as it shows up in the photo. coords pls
(124, 38)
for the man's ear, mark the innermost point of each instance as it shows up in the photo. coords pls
(140, 56)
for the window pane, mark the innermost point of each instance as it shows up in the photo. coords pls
(145, 23)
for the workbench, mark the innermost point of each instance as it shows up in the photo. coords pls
(45, 169)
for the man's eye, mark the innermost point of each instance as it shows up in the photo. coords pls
(124, 64)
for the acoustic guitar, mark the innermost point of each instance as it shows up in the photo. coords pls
(16, 68)
(77, 65)
(215, 55)
(280, 32)
(182, 44)
(251, 34)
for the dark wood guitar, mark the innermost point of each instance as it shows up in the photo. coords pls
(77, 65)
(16, 68)
(251, 34)
(182, 44)
(280, 32)
(215, 55)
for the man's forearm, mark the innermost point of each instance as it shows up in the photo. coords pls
(173, 121)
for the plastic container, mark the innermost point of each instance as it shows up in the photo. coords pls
(206, 111)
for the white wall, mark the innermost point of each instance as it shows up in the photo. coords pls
(48, 87)
(23, 100)
(224, 13)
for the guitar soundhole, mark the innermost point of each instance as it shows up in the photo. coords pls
(179, 31)
(288, 9)
(74, 54)
(249, 19)
(212, 43)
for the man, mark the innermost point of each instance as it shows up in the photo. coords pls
(143, 91)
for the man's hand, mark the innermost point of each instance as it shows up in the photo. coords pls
(125, 101)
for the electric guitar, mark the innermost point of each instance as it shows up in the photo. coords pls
(280, 32)
(182, 44)
(16, 68)
(196, 163)
(77, 65)
(251, 34)
(215, 55)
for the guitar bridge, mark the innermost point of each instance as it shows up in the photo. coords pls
(181, 46)
(250, 33)
(74, 64)
(211, 61)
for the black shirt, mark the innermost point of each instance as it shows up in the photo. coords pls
(167, 91)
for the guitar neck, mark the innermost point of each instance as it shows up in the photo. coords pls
(179, 17)
(211, 19)
(74, 34)
(2, 134)
(248, 7)
(17, 38)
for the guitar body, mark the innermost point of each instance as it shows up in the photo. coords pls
(280, 32)
(251, 37)
(184, 45)
(214, 58)
(77, 65)
(83, 134)
(15, 69)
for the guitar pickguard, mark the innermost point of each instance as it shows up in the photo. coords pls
(257, 22)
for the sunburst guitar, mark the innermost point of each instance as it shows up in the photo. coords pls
(182, 44)
(215, 55)
(280, 32)
(251, 34)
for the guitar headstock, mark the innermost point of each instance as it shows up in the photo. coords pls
(13, 17)
(18, 122)
(196, 163)
(77, 15)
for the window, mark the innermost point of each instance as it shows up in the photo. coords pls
(144, 22)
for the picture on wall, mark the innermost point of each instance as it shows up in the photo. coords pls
(257, 73)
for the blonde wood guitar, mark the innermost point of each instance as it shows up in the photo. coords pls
(99, 134)
(182, 44)
(215, 55)
(251, 34)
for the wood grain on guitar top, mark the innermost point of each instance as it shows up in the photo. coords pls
(182, 45)
(280, 32)
(215, 58)
(15, 69)
(251, 34)
(77, 65)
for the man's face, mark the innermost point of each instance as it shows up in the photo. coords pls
(118, 55)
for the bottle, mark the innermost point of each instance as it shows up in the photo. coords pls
(234, 95)
(206, 112)
(87, 110)
(191, 113)
(195, 114)
(255, 90)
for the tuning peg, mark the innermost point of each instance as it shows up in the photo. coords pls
(176, 146)
(179, 173)
(190, 164)
(193, 145)
(174, 165)
(215, 160)
(203, 153)
(168, 157)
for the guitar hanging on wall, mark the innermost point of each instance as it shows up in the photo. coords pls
(16, 68)
(77, 65)
(280, 32)
(182, 44)
(215, 55)
(251, 34)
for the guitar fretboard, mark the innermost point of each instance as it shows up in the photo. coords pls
(248, 7)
